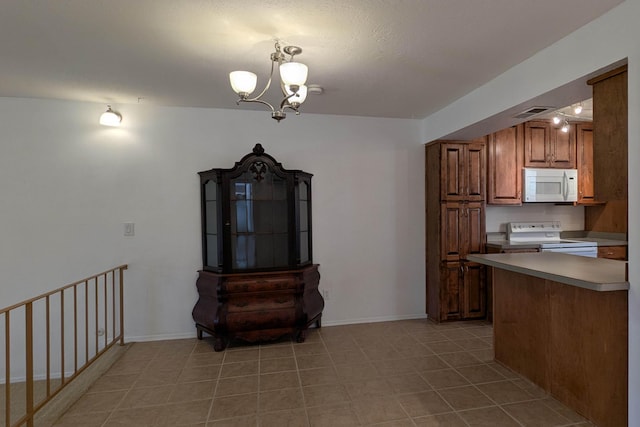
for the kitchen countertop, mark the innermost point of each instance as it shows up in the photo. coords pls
(596, 274)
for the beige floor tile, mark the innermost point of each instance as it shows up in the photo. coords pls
(203, 359)
(443, 420)
(504, 392)
(277, 400)
(306, 349)
(114, 382)
(288, 418)
(425, 403)
(429, 337)
(428, 363)
(485, 355)
(367, 389)
(458, 334)
(466, 397)
(268, 366)
(473, 343)
(459, 359)
(479, 374)
(356, 372)
(383, 352)
(377, 410)
(279, 380)
(157, 378)
(133, 417)
(395, 423)
(403, 384)
(394, 367)
(167, 363)
(535, 414)
(439, 347)
(313, 361)
(243, 355)
(444, 378)
(93, 419)
(348, 357)
(563, 410)
(128, 366)
(199, 373)
(248, 421)
(187, 392)
(234, 406)
(488, 417)
(340, 344)
(184, 413)
(239, 369)
(276, 352)
(341, 415)
(318, 376)
(238, 385)
(327, 394)
(141, 397)
(98, 402)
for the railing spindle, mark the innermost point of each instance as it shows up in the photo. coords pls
(48, 334)
(86, 321)
(28, 314)
(7, 373)
(62, 337)
(95, 293)
(122, 305)
(75, 329)
(106, 329)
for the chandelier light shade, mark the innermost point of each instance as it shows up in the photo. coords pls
(293, 76)
(243, 82)
(293, 73)
(110, 117)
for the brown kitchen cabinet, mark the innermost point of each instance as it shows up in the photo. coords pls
(546, 146)
(505, 160)
(584, 148)
(610, 149)
(455, 224)
(463, 171)
(613, 252)
(610, 153)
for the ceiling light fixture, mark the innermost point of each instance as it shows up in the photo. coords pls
(293, 76)
(565, 126)
(110, 117)
(577, 109)
(556, 119)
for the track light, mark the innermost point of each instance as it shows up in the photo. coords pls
(110, 117)
(556, 120)
(565, 126)
(577, 109)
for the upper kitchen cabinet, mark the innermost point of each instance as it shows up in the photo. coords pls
(504, 166)
(610, 135)
(546, 146)
(584, 143)
(463, 171)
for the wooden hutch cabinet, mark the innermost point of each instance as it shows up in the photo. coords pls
(258, 280)
(455, 215)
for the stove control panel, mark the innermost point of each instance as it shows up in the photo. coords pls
(533, 230)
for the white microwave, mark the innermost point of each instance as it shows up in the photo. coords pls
(550, 185)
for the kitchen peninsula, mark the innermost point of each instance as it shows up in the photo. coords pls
(561, 321)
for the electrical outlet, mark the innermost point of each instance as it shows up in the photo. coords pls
(325, 294)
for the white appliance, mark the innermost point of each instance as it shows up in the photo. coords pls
(550, 185)
(545, 235)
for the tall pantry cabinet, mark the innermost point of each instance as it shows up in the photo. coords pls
(455, 227)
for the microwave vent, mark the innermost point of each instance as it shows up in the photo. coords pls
(533, 111)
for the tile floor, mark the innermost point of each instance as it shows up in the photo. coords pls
(394, 374)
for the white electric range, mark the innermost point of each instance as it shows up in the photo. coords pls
(546, 235)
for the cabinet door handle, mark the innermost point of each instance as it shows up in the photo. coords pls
(461, 269)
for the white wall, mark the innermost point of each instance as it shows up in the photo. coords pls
(608, 39)
(68, 185)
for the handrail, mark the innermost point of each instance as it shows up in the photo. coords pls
(113, 332)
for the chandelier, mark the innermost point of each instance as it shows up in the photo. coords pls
(293, 76)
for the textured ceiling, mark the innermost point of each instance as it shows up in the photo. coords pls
(383, 58)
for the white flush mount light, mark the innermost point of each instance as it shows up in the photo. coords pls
(293, 76)
(110, 117)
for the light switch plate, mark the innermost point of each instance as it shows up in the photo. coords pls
(129, 229)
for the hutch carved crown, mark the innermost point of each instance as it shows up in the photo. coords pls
(258, 280)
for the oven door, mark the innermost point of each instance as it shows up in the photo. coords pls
(588, 251)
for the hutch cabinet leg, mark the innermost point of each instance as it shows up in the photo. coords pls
(199, 332)
(301, 336)
(219, 344)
